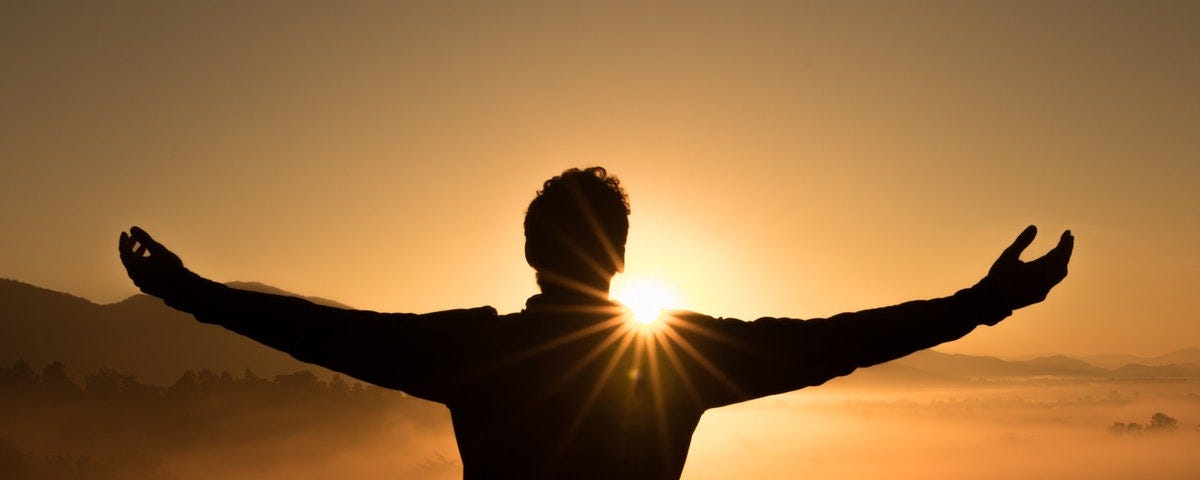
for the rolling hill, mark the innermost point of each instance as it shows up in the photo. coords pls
(139, 335)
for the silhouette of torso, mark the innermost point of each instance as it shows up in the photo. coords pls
(562, 395)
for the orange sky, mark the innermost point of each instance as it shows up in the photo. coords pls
(782, 160)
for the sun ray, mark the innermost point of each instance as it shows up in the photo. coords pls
(704, 362)
(626, 338)
(597, 228)
(557, 342)
(604, 374)
(660, 414)
(591, 356)
(715, 335)
(573, 284)
(673, 358)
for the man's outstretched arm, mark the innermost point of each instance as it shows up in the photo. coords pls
(775, 355)
(391, 350)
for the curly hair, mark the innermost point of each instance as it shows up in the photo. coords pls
(577, 225)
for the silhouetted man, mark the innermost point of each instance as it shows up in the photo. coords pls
(568, 388)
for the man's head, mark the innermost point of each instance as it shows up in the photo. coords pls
(575, 230)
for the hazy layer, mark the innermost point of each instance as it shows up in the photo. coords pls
(297, 427)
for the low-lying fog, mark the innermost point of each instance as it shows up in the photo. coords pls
(300, 427)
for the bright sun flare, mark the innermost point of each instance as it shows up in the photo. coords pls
(646, 297)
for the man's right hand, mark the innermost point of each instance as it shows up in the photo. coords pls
(153, 268)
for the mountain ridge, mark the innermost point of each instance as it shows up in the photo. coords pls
(139, 335)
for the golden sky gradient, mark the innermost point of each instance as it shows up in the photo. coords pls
(782, 159)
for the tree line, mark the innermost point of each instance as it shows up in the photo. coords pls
(53, 381)
(108, 425)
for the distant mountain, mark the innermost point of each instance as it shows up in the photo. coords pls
(1115, 360)
(139, 335)
(933, 369)
(1187, 355)
(1060, 365)
(264, 288)
(1174, 370)
(896, 374)
(970, 367)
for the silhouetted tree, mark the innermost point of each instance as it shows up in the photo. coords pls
(108, 382)
(299, 383)
(19, 375)
(1159, 422)
(185, 388)
(1163, 422)
(56, 381)
(338, 387)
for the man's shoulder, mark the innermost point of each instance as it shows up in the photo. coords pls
(459, 315)
(688, 316)
(484, 311)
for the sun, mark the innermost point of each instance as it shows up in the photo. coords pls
(646, 297)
